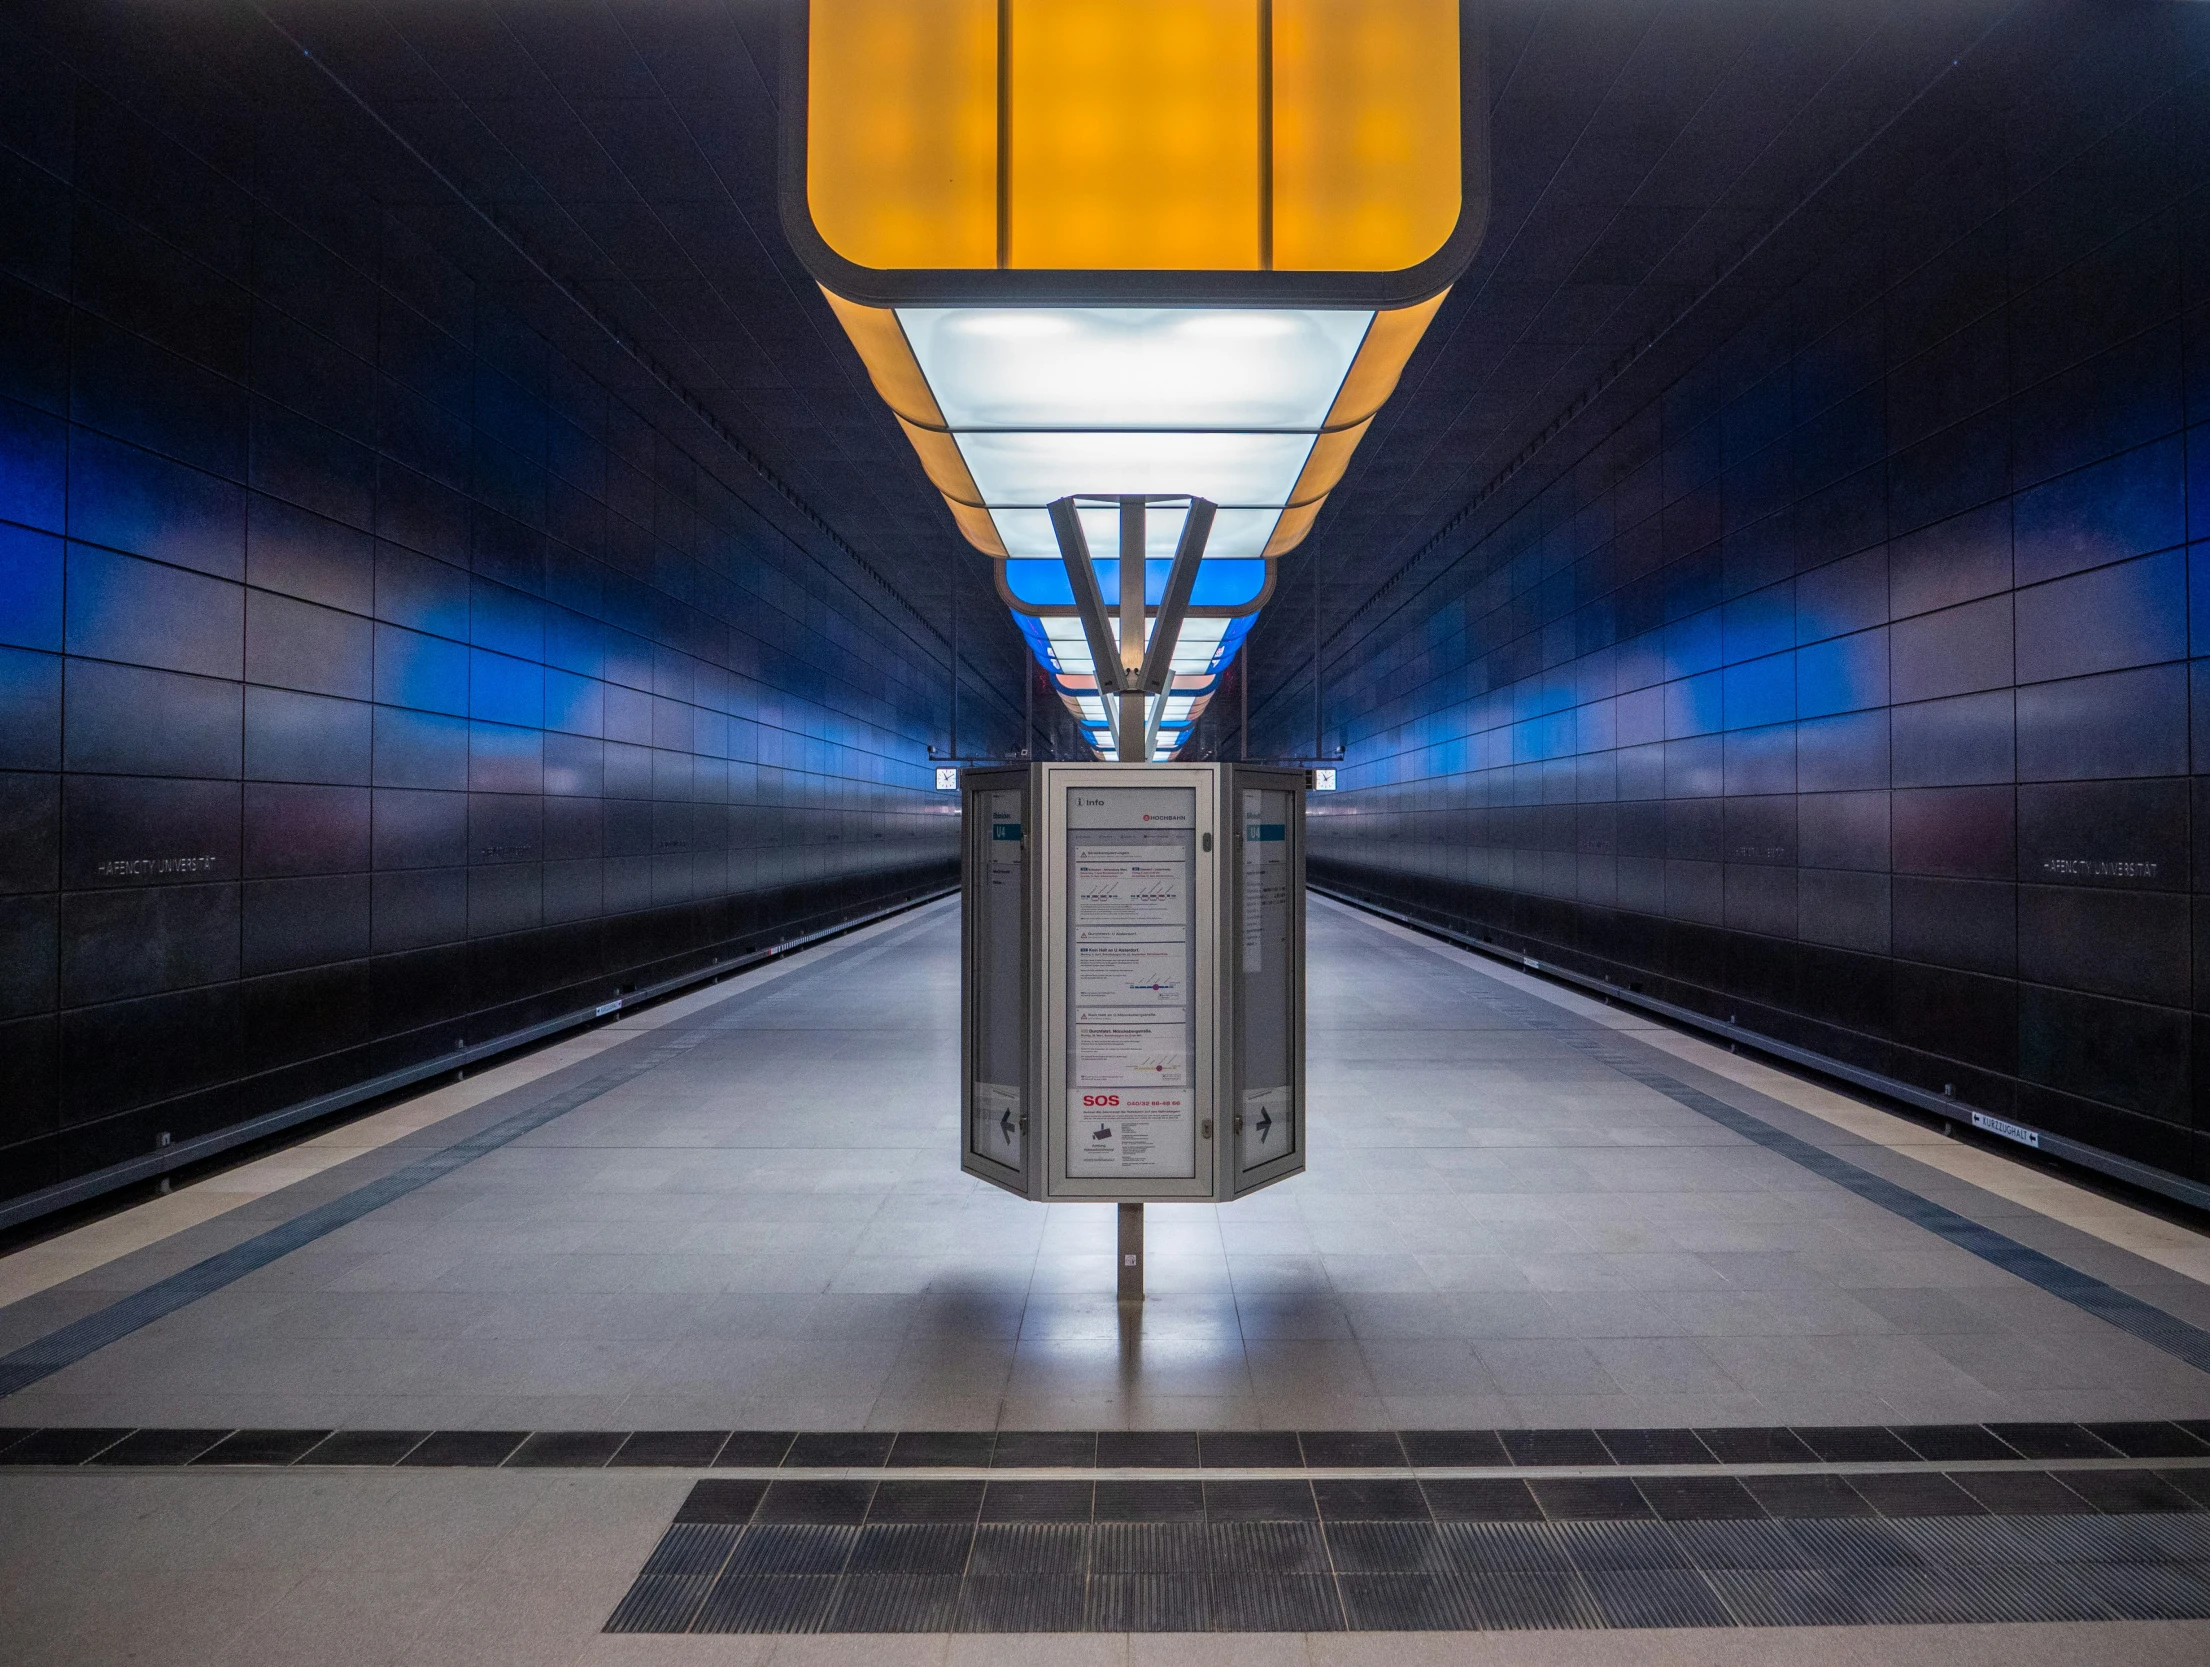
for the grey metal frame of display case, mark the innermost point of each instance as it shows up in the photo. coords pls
(1219, 1012)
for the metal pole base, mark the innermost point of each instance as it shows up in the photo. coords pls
(1131, 1253)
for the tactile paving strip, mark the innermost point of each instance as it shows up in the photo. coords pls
(1275, 1555)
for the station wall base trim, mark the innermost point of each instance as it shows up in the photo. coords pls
(184, 1153)
(2128, 1170)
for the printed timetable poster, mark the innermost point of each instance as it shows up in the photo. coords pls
(1130, 966)
(1130, 1108)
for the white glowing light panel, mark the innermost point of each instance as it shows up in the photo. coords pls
(1192, 368)
(1222, 403)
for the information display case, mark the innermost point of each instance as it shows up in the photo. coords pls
(1133, 980)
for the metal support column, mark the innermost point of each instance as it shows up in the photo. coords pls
(1131, 1253)
(1133, 676)
(1166, 630)
(1128, 725)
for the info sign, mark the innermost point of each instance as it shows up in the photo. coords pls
(1133, 979)
(1132, 928)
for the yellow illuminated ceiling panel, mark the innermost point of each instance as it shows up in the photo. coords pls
(902, 137)
(1365, 132)
(1135, 134)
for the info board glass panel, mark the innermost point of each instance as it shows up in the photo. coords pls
(997, 1125)
(1267, 1070)
(1132, 920)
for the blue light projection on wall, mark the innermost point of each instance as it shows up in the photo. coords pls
(1846, 687)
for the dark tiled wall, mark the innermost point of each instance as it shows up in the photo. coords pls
(371, 678)
(1846, 687)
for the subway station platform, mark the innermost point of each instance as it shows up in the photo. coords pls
(690, 1326)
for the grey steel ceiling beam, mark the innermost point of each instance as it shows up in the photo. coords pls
(1089, 602)
(1181, 579)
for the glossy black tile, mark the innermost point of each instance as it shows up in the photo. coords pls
(1225, 1449)
(2051, 1441)
(291, 830)
(292, 736)
(929, 1502)
(856, 1447)
(148, 613)
(1259, 1501)
(142, 940)
(61, 1446)
(471, 1448)
(718, 1501)
(147, 831)
(2149, 1440)
(310, 557)
(1921, 1495)
(2018, 1492)
(159, 1447)
(128, 498)
(1750, 1444)
(1651, 1447)
(1453, 1447)
(129, 720)
(939, 1448)
(1576, 1498)
(755, 1447)
(567, 1449)
(823, 1502)
(1807, 1496)
(271, 1447)
(1146, 1449)
(2121, 1053)
(1020, 1502)
(2134, 945)
(366, 1447)
(1479, 1500)
(1351, 1448)
(675, 1449)
(2118, 1491)
(1699, 1498)
(1149, 1502)
(1555, 1447)
(1947, 1443)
